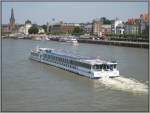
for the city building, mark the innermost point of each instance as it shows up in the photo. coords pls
(25, 28)
(63, 27)
(28, 25)
(132, 29)
(132, 26)
(5, 28)
(120, 29)
(117, 27)
(144, 23)
(87, 27)
(97, 27)
(21, 29)
(106, 29)
(144, 17)
(138, 26)
(56, 28)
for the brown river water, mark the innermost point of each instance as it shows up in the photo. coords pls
(28, 85)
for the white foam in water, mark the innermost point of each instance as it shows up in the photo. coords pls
(125, 84)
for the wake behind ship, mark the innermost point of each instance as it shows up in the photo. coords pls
(86, 66)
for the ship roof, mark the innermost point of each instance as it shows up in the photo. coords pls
(97, 61)
(89, 60)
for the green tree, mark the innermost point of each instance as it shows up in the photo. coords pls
(33, 30)
(106, 21)
(78, 31)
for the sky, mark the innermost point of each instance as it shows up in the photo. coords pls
(71, 12)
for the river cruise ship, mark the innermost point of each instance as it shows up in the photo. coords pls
(87, 66)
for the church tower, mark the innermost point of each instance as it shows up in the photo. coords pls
(12, 21)
(48, 25)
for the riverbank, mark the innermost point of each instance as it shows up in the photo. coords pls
(116, 43)
(104, 42)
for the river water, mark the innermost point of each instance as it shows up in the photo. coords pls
(28, 85)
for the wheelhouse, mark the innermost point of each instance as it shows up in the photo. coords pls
(106, 67)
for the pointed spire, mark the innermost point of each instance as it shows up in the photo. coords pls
(12, 21)
(12, 14)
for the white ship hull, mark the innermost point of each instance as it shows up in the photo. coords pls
(63, 67)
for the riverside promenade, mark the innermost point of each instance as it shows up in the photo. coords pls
(116, 43)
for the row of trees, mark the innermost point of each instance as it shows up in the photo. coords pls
(106, 21)
(76, 31)
(34, 29)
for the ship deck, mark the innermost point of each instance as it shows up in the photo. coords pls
(89, 60)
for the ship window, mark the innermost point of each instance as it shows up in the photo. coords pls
(65, 60)
(84, 65)
(114, 65)
(104, 66)
(55, 58)
(68, 61)
(107, 66)
(71, 62)
(95, 67)
(98, 67)
(111, 67)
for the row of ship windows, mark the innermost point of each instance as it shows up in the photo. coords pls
(63, 60)
(64, 64)
(35, 54)
(105, 66)
(73, 64)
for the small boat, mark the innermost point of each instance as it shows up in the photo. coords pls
(91, 67)
(68, 39)
(21, 37)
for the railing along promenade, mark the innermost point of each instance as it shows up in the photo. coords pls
(116, 43)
